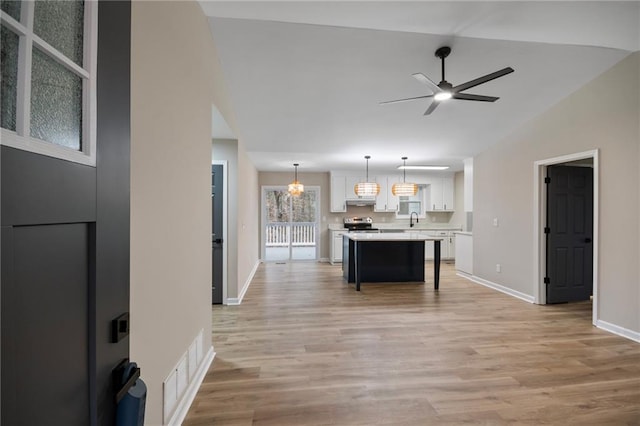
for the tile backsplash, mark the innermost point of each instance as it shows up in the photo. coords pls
(440, 218)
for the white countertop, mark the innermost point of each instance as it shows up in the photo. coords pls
(470, 234)
(399, 227)
(389, 236)
(417, 227)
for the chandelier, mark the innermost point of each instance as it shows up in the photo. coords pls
(404, 189)
(295, 187)
(366, 188)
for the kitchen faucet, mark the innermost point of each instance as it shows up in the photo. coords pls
(411, 219)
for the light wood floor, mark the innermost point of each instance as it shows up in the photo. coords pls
(304, 348)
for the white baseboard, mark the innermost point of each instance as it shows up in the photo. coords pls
(245, 287)
(607, 326)
(620, 331)
(185, 403)
(495, 286)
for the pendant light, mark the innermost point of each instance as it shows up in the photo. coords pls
(366, 188)
(295, 187)
(404, 189)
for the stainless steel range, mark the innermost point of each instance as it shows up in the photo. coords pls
(359, 224)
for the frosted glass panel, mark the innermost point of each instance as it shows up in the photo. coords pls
(11, 8)
(61, 24)
(56, 103)
(9, 66)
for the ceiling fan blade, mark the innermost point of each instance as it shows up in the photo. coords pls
(433, 106)
(470, 97)
(483, 79)
(405, 100)
(426, 80)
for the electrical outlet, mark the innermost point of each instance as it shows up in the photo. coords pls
(495, 222)
(498, 267)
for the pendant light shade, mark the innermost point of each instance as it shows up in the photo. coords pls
(295, 187)
(366, 188)
(404, 189)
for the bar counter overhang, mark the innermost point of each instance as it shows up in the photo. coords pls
(387, 257)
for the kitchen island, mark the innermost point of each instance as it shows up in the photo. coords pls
(387, 257)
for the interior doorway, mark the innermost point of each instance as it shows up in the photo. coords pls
(556, 256)
(290, 224)
(219, 183)
(569, 232)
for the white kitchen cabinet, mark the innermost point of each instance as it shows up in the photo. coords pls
(452, 245)
(336, 246)
(448, 188)
(392, 200)
(386, 201)
(350, 188)
(441, 194)
(338, 194)
(381, 199)
(447, 245)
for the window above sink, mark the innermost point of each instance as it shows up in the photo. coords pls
(412, 204)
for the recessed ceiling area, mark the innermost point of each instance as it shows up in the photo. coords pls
(306, 78)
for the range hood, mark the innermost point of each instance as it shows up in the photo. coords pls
(361, 202)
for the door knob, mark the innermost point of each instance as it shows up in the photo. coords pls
(218, 241)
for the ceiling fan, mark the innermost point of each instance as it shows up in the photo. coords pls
(445, 90)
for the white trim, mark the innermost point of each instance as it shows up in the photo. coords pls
(506, 290)
(90, 62)
(539, 208)
(59, 57)
(225, 224)
(185, 402)
(620, 331)
(238, 300)
(606, 326)
(49, 149)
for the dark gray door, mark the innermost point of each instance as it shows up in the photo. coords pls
(217, 229)
(65, 259)
(569, 234)
(45, 354)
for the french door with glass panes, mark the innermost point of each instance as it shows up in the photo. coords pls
(290, 224)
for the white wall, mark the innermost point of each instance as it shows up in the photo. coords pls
(248, 220)
(604, 115)
(171, 96)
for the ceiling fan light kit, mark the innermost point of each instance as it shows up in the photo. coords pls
(445, 90)
(366, 188)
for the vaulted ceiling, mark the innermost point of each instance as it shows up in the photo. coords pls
(305, 79)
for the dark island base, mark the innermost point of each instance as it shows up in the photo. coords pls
(385, 261)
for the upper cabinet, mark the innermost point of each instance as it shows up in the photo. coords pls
(440, 196)
(386, 201)
(437, 192)
(343, 190)
(338, 194)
